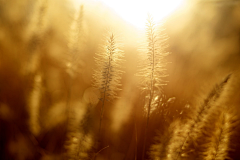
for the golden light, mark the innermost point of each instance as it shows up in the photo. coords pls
(136, 11)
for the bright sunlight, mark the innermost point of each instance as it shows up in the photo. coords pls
(136, 11)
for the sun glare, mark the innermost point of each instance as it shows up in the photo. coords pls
(136, 11)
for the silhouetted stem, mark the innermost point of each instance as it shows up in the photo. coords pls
(102, 109)
(95, 155)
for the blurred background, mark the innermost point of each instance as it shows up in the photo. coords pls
(49, 108)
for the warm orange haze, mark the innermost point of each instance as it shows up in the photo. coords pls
(119, 80)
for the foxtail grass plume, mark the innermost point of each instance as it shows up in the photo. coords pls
(75, 45)
(35, 37)
(108, 72)
(74, 137)
(152, 68)
(161, 148)
(192, 129)
(218, 143)
(32, 69)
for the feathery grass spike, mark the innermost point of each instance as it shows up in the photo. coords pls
(218, 144)
(161, 149)
(35, 36)
(192, 128)
(32, 68)
(73, 135)
(107, 76)
(76, 42)
(153, 66)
